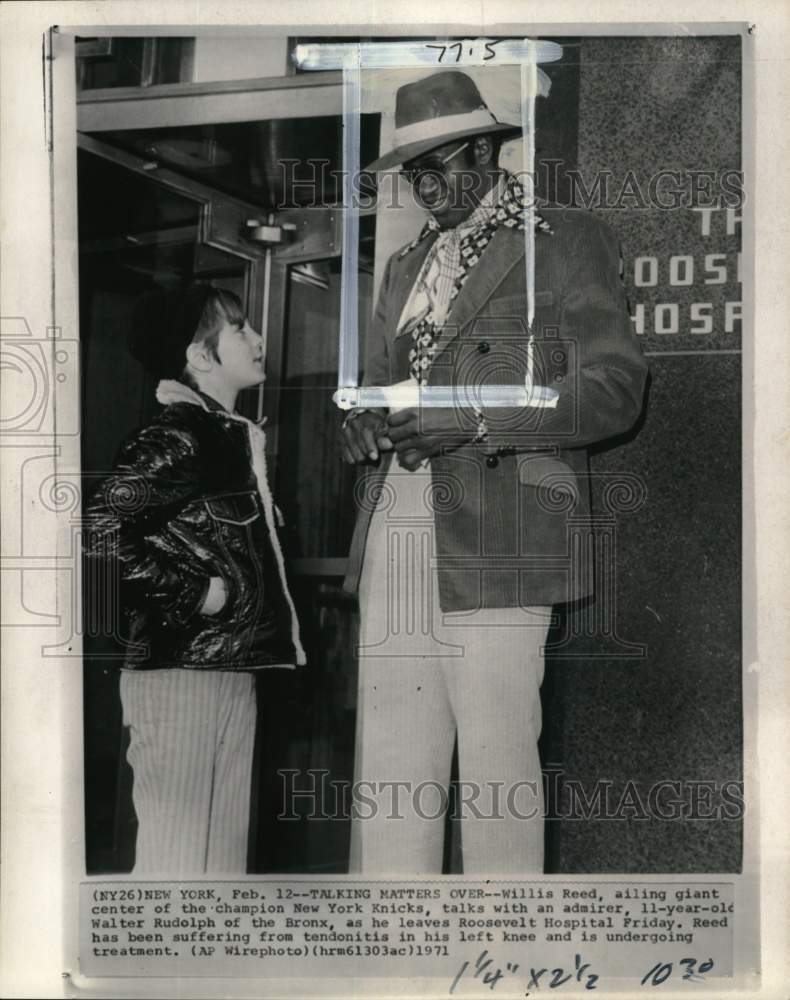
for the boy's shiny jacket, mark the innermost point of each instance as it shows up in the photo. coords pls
(183, 505)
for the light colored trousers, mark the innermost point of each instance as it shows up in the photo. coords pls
(427, 678)
(192, 737)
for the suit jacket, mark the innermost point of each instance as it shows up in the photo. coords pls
(506, 511)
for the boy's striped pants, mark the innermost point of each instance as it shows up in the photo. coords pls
(191, 749)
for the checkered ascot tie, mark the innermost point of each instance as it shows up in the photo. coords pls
(448, 263)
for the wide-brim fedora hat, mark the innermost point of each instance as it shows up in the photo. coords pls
(436, 110)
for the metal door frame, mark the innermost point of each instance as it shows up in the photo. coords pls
(223, 221)
(173, 104)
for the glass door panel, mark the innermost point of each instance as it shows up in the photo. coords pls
(314, 486)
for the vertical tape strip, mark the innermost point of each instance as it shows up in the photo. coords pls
(529, 86)
(348, 361)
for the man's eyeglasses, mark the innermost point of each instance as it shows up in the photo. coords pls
(434, 165)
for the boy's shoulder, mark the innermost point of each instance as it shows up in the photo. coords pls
(178, 431)
(186, 417)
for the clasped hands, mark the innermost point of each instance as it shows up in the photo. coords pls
(413, 434)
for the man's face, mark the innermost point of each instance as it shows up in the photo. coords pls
(240, 355)
(445, 182)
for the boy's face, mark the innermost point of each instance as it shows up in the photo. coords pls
(240, 353)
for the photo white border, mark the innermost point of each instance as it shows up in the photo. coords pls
(42, 709)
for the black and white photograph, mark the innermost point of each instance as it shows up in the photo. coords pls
(381, 494)
(449, 585)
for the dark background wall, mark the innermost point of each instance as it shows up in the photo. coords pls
(672, 714)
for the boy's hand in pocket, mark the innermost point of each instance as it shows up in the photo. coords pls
(216, 598)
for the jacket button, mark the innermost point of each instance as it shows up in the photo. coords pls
(483, 347)
(492, 461)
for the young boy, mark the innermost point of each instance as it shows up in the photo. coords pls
(189, 516)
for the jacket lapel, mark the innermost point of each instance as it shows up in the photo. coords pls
(408, 269)
(502, 254)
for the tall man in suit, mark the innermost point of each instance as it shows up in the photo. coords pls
(463, 542)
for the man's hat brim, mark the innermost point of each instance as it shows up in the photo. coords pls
(402, 154)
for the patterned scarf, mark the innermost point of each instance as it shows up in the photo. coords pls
(448, 264)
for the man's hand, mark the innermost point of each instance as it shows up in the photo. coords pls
(363, 437)
(420, 434)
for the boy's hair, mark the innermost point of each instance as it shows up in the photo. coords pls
(221, 306)
(166, 321)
